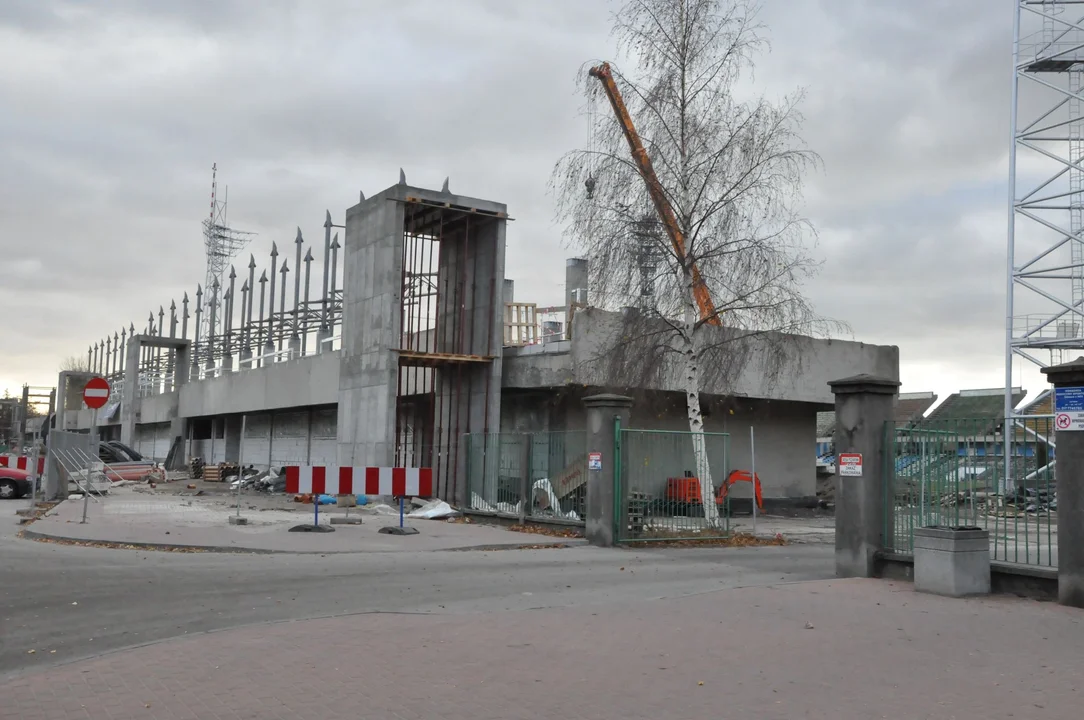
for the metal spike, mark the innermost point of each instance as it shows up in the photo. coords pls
(252, 262)
(444, 188)
(274, 250)
(402, 177)
(327, 220)
(361, 196)
(233, 273)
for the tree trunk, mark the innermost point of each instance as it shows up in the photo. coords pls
(692, 402)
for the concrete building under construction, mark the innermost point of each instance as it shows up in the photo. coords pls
(415, 352)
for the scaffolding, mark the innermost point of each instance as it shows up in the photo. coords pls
(1045, 268)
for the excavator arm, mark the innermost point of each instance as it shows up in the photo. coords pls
(654, 189)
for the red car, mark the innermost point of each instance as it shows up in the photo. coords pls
(13, 483)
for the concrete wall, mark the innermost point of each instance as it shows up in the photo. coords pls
(811, 364)
(152, 441)
(785, 432)
(312, 380)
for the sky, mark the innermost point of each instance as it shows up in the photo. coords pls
(112, 113)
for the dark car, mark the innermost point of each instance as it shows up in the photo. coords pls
(14, 484)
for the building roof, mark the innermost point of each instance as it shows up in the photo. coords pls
(986, 404)
(911, 407)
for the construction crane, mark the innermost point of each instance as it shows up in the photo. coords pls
(654, 189)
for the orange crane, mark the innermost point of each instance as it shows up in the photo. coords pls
(654, 188)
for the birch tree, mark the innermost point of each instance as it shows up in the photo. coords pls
(731, 166)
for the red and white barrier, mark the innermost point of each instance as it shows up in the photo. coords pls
(332, 480)
(21, 462)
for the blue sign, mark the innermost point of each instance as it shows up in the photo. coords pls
(1069, 399)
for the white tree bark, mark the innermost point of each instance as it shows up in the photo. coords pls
(692, 403)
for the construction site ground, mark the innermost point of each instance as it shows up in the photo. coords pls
(173, 515)
(196, 514)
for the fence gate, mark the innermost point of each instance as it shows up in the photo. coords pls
(540, 476)
(952, 473)
(658, 493)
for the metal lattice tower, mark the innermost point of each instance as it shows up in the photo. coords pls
(222, 243)
(1045, 274)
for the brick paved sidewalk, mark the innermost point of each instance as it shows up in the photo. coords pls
(874, 650)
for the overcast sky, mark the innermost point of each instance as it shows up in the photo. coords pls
(112, 112)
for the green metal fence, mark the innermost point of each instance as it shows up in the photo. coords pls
(658, 493)
(528, 475)
(953, 473)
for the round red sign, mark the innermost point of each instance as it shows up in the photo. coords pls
(96, 393)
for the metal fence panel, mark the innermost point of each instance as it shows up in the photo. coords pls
(952, 473)
(659, 489)
(528, 475)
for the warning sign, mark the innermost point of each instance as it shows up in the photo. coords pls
(594, 461)
(850, 464)
(1069, 409)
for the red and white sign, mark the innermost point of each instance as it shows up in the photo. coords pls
(21, 462)
(332, 480)
(96, 393)
(850, 464)
(594, 461)
(1063, 421)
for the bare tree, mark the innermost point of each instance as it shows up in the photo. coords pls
(74, 363)
(731, 171)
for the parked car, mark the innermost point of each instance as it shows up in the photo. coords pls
(14, 484)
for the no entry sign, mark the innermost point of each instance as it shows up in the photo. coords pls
(96, 393)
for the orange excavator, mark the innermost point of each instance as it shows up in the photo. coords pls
(654, 188)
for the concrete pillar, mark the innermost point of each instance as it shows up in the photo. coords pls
(1068, 381)
(602, 410)
(509, 291)
(130, 399)
(864, 404)
(576, 282)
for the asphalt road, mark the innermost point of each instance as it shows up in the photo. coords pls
(67, 603)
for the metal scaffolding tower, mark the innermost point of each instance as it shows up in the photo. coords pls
(1045, 269)
(222, 244)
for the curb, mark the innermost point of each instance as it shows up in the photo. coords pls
(225, 549)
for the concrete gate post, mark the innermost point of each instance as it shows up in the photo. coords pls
(602, 410)
(864, 404)
(1068, 381)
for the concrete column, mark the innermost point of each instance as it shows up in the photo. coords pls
(575, 282)
(130, 399)
(864, 404)
(1069, 476)
(602, 410)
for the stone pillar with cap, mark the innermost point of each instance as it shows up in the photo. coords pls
(1068, 382)
(603, 414)
(865, 404)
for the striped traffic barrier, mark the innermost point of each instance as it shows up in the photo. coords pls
(333, 480)
(21, 462)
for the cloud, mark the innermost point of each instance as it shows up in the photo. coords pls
(114, 113)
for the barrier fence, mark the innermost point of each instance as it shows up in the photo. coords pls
(542, 475)
(953, 473)
(659, 485)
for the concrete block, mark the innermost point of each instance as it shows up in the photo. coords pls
(356, 520)
(235, 520)
(954, 562)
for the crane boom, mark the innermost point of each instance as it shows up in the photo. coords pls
(654, 189)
